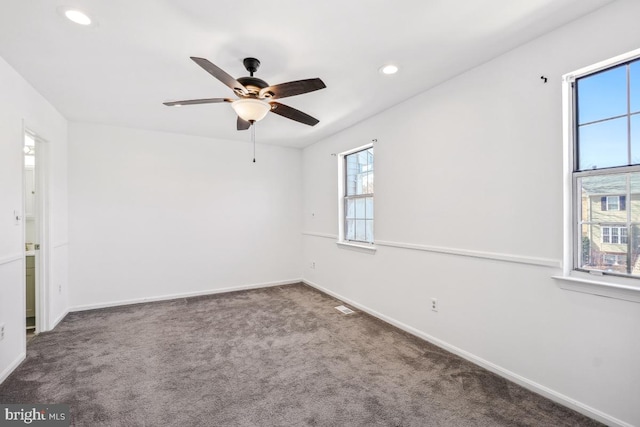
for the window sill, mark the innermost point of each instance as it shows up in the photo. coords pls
(360, 247)
(584, 284)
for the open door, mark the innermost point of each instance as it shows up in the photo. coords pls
(35, 232)
(30, 229)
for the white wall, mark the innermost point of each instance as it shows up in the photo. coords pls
(475, 164)
(19, 104)
(160, 214)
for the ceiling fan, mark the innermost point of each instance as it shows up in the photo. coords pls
(255, 96)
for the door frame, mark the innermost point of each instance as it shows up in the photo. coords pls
(42, 225)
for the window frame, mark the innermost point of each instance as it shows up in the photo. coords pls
(593, 282)
(342, 178)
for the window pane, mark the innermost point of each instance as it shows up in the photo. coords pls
(369, 187)
(606, 238)
(599, 239)
(633, 233)
(363, 183)
(369, 224)
(351, 174)
(613, 262)
(350, 209)
(585, 248)
(603, 144)
(350, 185)
(363, 161)
(350, 230)
(635, 137)
(602, 95)
(634, 77)
(614, 235)
(595, 188)
(360, 209)
(352, 163)
(597, 254)
(597, 208)
(369, 207)
(360, 183)
(635, 249)
(361, 230)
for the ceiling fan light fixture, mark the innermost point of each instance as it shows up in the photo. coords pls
(251, 109)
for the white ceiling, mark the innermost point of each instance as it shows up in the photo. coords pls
(121, 70)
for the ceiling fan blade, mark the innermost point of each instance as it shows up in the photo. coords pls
(297, 87)
(221, 75)
(197, 101)
(243, 124)
(293, 114)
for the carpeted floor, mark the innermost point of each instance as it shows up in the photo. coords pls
(279, 356)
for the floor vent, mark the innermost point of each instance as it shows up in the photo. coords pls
(344, 310)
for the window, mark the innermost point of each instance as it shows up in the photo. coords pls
(605, 116)
(613, 203)
(613, 259)
(614, 234)
(357, 198)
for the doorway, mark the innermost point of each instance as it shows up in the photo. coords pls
(35, 232)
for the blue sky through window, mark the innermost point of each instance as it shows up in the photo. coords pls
(635, 86)
(602, 95)
(601, 98)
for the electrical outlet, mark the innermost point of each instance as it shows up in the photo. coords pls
(59, 288)
(434, 304)
(1, 332)
(312, 265)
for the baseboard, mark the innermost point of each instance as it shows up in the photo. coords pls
(183, 295)
(5, 374)
(58, 320)
(505, 373)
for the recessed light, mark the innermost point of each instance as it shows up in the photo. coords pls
(389, 69)
(78, 17)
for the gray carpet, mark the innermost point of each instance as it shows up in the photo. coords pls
(279, 356)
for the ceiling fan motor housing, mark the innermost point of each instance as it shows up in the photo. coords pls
(253, 84)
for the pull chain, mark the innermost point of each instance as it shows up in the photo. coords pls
(253, 139)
